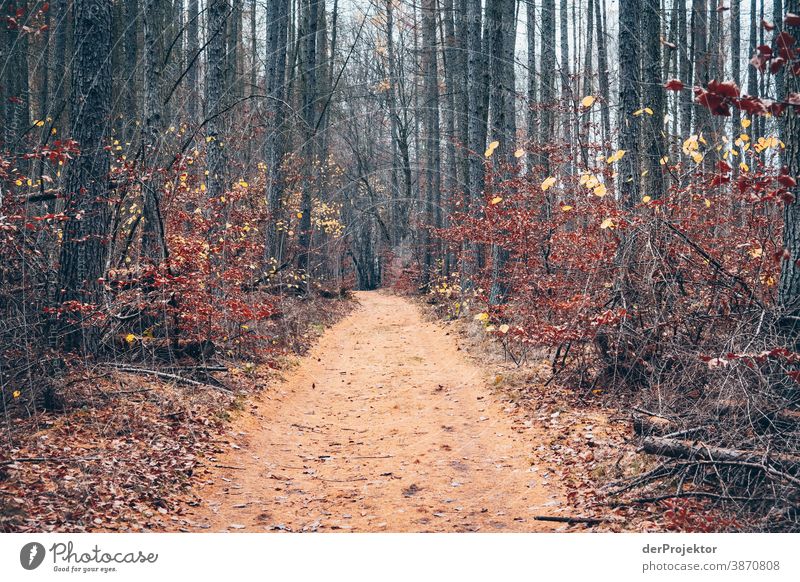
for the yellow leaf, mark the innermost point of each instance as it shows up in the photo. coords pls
(299, 215)
(494, 145)
(600, 190)
(39, 123)
(697, 157)
(16, 394)
(482, 317)
(707, 202)
(745, 123)
(504, 328)
(756, 252)
(209, 138)
(615, 157)
(663, 160)
(646, 199)
(243, 184)
(519, 153)
(496, 200)
(607, 223)
(566, 208)
(548, 183)
(18, 182)
(490, 150)
(130, 338)
(587, 101)
(744, 167)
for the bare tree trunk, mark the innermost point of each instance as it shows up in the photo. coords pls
(699, 28)
(789, 287)
(449, 66)
(218, 11)
(85, 235)
(502, 24)
(629, 84)
(476, 131)
(685, 69)
(310, 22)
(430, 107)
(153, 247)
(532, 80)
(192, 49)
(277, 31)
(567, 97)
(548, 90)
(653, 97)
(602, 70)
(736, 54)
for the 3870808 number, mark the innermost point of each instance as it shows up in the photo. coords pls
(739, 565)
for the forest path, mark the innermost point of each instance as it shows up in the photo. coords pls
(384, 426)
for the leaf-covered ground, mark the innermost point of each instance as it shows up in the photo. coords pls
(121, 453)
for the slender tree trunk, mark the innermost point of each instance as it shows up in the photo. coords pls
(476, 133)
(532, 118)
(700, 55)
(500, 14)
(430, 108)
(449, 66)
(685, 70)
(629, 84)
(567, 96)
(547, 77)
(654, 98)
(192, 49)
(218, 11)
(310, 22)
(277, 33)
(602, 70)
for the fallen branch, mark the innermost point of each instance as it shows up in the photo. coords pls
(687, 494)
(173, 377)
(692, 450)
(565, 519)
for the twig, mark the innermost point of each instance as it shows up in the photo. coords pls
(374, 457)
(342, 480)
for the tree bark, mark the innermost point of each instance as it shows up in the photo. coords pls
(218, 11)
(85, 235)
(629, 86)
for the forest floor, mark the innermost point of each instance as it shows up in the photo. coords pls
(387, 424)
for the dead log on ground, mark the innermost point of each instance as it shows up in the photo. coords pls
(696, 450)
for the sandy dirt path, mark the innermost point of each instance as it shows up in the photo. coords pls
(384, 426)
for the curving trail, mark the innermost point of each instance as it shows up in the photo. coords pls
(384, 426)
